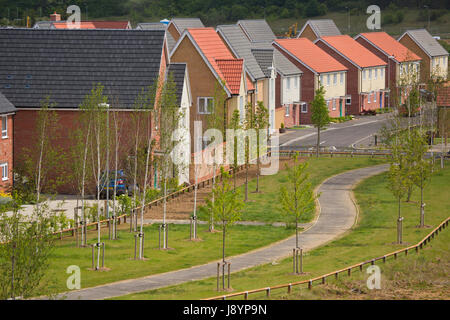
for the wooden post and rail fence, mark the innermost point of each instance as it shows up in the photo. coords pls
(322, 279)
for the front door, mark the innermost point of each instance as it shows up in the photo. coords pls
(340, 107)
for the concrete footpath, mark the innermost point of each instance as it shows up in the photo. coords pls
(337, 215)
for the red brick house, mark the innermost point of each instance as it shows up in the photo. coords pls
(7, 111)
(366, 72)
(401, 61)
(65, 64)
(319, 68)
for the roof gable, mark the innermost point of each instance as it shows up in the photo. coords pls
(426, 42)
(178, 71)
(350, 49)
(5, 105)
(389, 46)
(213, 49)
(234, 36)
(257, 30)
(322, 27)
(65, 64)
(232, 72)
(264, 57)
(310, 55)
(181, 24)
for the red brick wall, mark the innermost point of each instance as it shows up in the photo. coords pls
(352, 79)
(306, 87)
(25, 124)
(6, 154)
(373, 105)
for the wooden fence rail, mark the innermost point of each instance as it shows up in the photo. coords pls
(322, 279)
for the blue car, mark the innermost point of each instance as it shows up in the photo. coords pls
(122, 184)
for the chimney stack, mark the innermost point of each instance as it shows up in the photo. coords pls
(55, 17)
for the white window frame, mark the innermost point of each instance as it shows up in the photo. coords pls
(342, 78)
(335, 79)
(375, 96)
(321, 80)
(4, 167)
(287, 110)
(295, 82)
(304, 107)
(328, 80)
(334, 104)
(364, 74)
(348, 101)
(206, 101)
(5, 130)
(376, 73)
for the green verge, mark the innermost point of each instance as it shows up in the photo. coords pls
(373, 236)
(119, 256)
(263, 206)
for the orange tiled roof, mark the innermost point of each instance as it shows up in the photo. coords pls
(391, 46)
(232, 71)
(311, 55)
(443, 96)
(95, 25)
(354, 51)
(219, 56)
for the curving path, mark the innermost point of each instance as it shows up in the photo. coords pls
(337, 215)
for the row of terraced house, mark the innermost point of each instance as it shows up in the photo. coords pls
(246, 59)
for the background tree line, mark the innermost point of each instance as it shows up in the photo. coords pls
(211, 12)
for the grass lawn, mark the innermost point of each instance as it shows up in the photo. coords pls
(120, 253)
(416, 276)
(265, 206)
(373, 236)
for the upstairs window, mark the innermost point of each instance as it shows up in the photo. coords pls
(335, 79)
(364, 74)
(304, 107)
(205, 105)
(4, 127)
(328, 80)
(342, 78)
(4, 167)
(288, 83)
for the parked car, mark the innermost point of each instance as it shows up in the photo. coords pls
(123, 184)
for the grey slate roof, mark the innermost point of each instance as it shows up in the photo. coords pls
(158, 26)
(186, 23)
(178, 70)
(241, 47)
(257, 30)
(264, 57)
(5, 105)
(43, 25)
(65, 64)
(323, 27)
(281, 63)
(426, 41)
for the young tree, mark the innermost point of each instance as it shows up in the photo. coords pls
(417, 148)
(398, 181)
(41, 163)
(299, 199)
(261, 123)
(227, 206)
(235, 125)
(170, 116)
(149, 109)
(96, 105)
(26, 244)
(319, 114)
(249, 124)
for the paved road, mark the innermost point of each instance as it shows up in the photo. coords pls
(337, 215)
(344, 134)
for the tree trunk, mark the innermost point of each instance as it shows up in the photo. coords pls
(318, 142)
